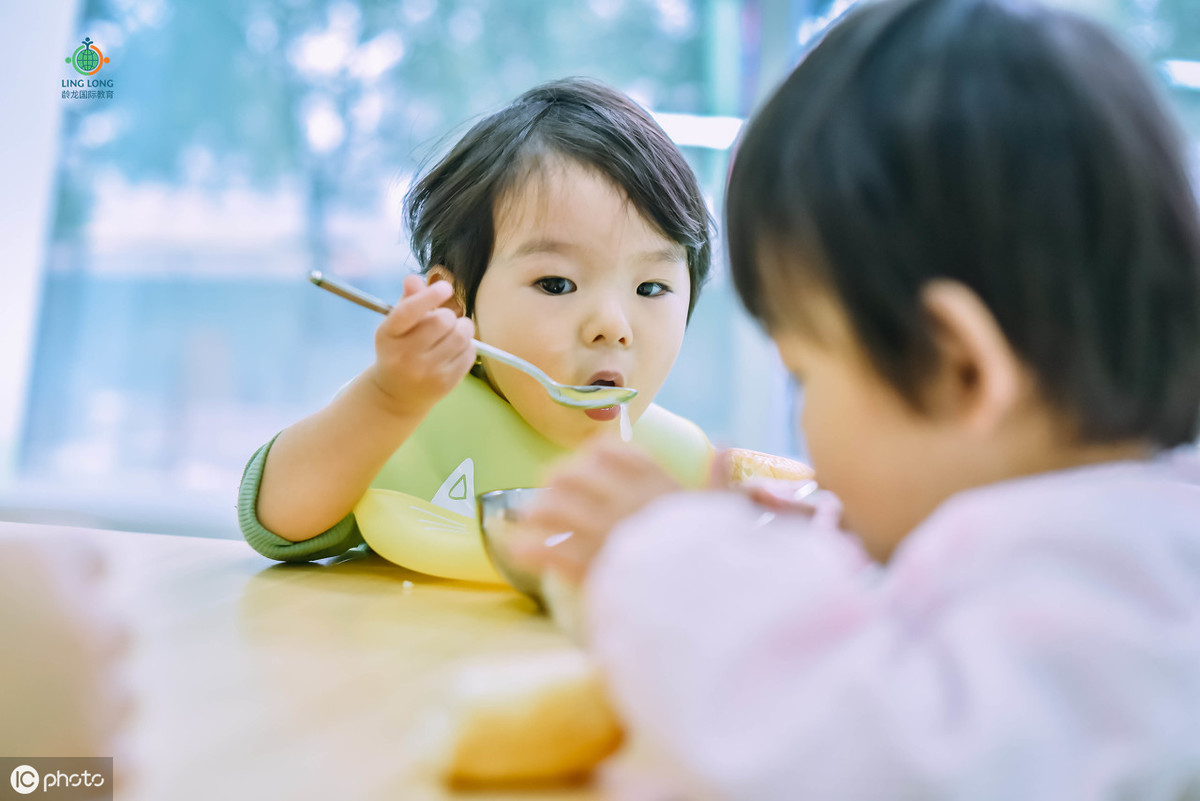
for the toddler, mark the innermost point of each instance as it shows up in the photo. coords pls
(968, 227)
(566, 229)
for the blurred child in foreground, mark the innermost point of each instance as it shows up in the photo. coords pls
(968, 227)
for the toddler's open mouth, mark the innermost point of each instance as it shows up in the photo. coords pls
(606, 378)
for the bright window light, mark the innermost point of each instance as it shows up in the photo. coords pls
(1183, 74)
(693, 130)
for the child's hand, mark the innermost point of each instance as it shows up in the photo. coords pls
(423, 348)
(778, 495)
(603, 485)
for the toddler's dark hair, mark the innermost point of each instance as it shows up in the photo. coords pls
(1007, 146)
(450, 211)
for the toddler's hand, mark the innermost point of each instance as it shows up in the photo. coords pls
(588, 496)
(780, 495)
(422, 348)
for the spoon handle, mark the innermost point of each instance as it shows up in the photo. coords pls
(348, 292)
(375, 304)
(513, 361)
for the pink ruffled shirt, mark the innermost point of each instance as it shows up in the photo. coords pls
(1034, 639)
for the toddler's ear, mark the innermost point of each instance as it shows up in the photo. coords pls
(456, 303)
(980, 379)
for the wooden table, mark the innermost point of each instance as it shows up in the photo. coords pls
(261, 681)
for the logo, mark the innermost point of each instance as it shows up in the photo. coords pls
(62, 777)
(87, 58)
(24, 779)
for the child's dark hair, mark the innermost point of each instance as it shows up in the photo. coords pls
(450, 211)
(1012, 148)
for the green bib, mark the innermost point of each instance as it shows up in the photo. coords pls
(420, 510)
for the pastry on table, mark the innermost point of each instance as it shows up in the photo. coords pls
(527, 719)
(746, 464)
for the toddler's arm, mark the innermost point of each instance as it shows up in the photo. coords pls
(318, 468)
(759, 657)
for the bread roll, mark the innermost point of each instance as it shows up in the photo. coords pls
(534, 718)
(746, 464)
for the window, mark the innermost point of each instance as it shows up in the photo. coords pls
(158, 326)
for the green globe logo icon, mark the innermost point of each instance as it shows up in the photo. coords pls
(87, 58)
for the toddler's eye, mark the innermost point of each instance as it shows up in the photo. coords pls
(652, 289)
(555, 285)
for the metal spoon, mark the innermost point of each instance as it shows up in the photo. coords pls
(586, 397)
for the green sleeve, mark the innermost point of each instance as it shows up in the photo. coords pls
(343, 536)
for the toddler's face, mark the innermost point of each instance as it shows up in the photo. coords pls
(984, 419)
(582, 286)
(883, 459)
